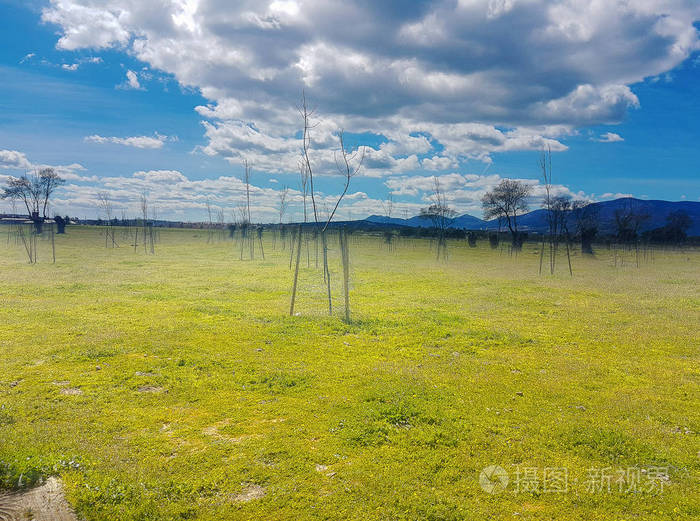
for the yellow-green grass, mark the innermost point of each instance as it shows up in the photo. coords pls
(169, 386)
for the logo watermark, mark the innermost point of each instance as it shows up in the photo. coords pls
(494, 479)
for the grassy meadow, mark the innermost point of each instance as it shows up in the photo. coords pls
(176, 386)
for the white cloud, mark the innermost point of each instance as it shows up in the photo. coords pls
(27, 57)
(18, 163)
(86, 25)
(473, 77)
(161, 176)
(615, 195)
(610, 137)
(14, 160)
(438, 163)
(151, 142)
(75, 66)
(132, 82)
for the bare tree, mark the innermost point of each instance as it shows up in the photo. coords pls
(586, 221)
(221, 222)
(676, 229)
(25, 189)
(441, 215)
(388, 209)
(628, 220)
(546, 168)
(507, 200)
(304, 188)
(304, 185)
(105, 202)
(247, 187)
(557, 209)
(148, 239)
(349, 164)
(50, 181)
(34, 191)
(388, 206)
(561, 209)
(306, 114)
(210, 226)
(284, 202)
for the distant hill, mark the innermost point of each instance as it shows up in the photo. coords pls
(463, 221)
(536, 220)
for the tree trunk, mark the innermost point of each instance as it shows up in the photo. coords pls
(296, 274)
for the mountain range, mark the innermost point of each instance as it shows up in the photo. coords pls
(536, 220)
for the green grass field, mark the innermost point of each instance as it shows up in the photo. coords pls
(176, 386)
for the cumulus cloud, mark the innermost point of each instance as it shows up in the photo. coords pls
(18, 163)
(472, 78)
(132, 82)
(75, 66)
(161, 176)
(610, 137)
(151, 142)
(14, 160)
(27, 57)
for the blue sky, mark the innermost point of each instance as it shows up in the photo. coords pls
(129, 98)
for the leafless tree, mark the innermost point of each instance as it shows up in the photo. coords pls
(246, 227)
(221, 223)
(210, 231)
(304, 185)
(148, 239)
(388, 206)
(34, 191)
(557, 210)
(546, 168)
(306, 115)
(247, 187)
(105, 203)
(507, 200)
(561, 210)
(628, 221)
(345, 256)
(441, 216)
(586, 221)
(284, 202)
(348, 164)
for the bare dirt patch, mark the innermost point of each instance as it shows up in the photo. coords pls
(71, 391)
(151, 389)
(250, 491)
(213, 431)
(43, 503)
